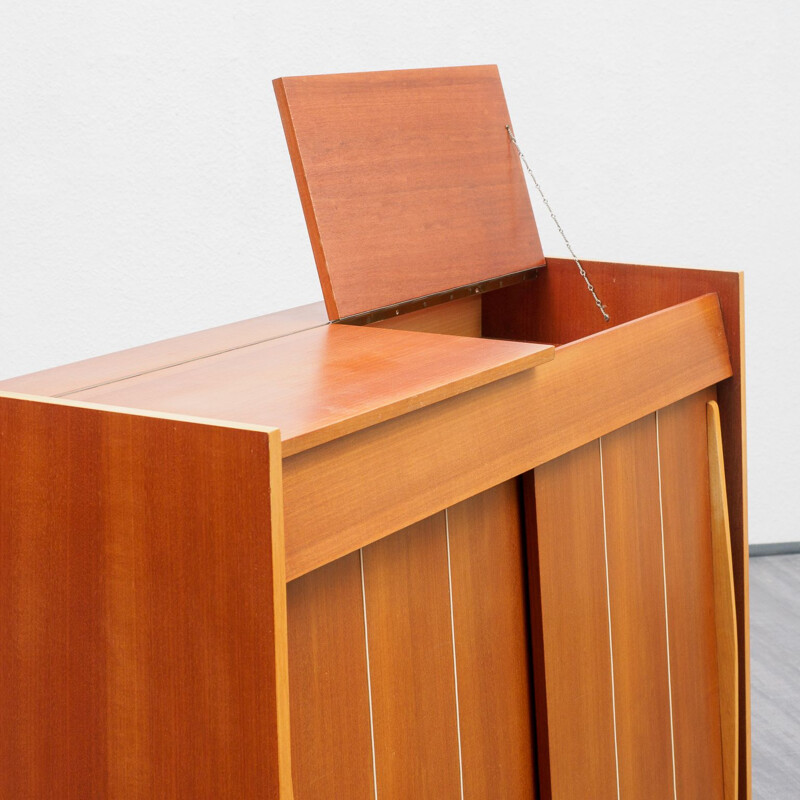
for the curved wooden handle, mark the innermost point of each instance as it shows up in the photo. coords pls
(724, 608)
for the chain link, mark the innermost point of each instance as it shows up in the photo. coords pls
(581, 270)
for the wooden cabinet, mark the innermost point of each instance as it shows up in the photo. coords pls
(456, 537)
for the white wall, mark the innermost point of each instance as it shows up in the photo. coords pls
(145, 188)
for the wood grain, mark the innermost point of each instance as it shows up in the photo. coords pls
(556, 308)
(457, 318)
(686, 518)
(724, 605)
(142, 603)
(491, 636)
(70, 378)
(326, 382)
(409, 468)
(570, 625)
(408, 182)
(638, 612)
(331, 737)
(411, 663)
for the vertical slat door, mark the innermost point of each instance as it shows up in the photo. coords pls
(629, 461)
(623, 613)
(407, 599)
(490, 625)
(328, 686)
(690, 596)
(569, 616)
(409, 662)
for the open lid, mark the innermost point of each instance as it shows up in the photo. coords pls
(409, 183)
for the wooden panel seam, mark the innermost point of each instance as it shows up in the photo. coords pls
(570, 623)
(103, 370)
(490, 640)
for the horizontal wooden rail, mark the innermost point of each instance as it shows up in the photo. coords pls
(350, 492)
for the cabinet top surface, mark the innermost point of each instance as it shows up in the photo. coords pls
(67, 379)
(409, 183)
(323, 383)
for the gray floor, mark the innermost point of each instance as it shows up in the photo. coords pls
(775, 676)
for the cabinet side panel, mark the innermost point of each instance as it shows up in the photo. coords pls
(490, 625)
(638, 612)
(331, 737)
(141, 577)
(411, 663)
(690, 596)
(570, 625)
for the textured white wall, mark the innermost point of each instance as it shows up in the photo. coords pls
(146, 191)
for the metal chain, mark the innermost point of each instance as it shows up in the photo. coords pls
(581, 270)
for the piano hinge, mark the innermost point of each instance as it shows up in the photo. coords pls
(481, 287)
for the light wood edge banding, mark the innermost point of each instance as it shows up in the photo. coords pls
(280, 615)
(135, 412)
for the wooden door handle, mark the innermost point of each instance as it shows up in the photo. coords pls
(724, 607)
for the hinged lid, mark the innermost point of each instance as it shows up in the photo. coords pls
(409, 183)
(326, 382)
